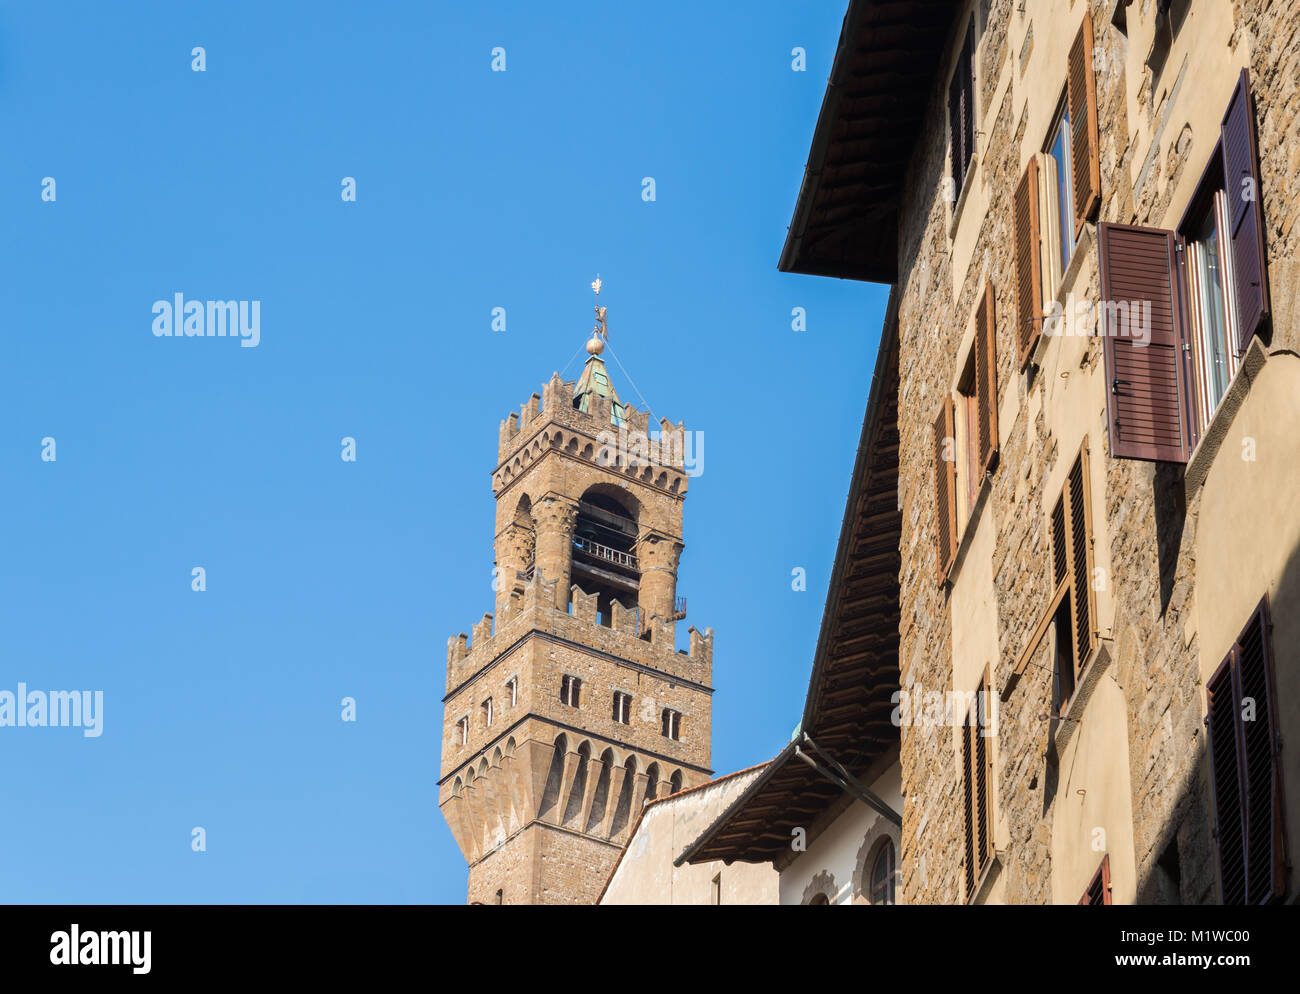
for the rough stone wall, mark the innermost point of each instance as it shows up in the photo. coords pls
(1149, 524)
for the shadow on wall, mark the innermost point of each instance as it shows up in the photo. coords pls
(1182, 864)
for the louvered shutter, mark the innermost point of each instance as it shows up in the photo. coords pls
(1263, 788)
(1225, 778)
(1081, 86)
(983, 803)
(945, 489)
(1081, 563)
(1029, 278)
(961, 111)
(986, 379)
(972, 864)
(1146, 374)
(1098, 892)
(956, 132)
(1245, 216)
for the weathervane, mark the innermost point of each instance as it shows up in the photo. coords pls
(599, 334)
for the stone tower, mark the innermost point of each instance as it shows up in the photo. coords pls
(571, 705)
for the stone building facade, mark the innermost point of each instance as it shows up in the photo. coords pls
(1087, 210)
(570, 706)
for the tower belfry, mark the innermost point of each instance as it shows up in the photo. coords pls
(571, 706)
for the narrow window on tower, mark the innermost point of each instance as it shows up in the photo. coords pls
(570, 690)
(622, 707)
(487, 712)
(672, 724)
(462, 728)
(512, 688)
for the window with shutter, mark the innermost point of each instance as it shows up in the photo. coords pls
(1073, 604)
(1081, 91)
(1245, 216)
(1029, 290)
(1147, 373)
(1098, 892)
(977, 759)
(961, 112)
(986, 382)
(945, 489)
(1245, 773)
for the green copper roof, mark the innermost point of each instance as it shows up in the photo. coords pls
(595, 380)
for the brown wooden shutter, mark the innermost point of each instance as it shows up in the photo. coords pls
(986, 379)
(1081, 563)
(1029, 278)
(945, 489)
(1245, 214)
(1265, 864)
(1081, 86)
(961, 111)
(1098, 892)
(1225, 779)
(983, 803)
(968, 780)
(1147, 380)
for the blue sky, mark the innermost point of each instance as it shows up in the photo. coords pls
(325, 579)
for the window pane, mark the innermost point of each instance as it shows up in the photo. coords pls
(1210, 310)
(1060, 152)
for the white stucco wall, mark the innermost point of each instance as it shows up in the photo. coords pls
(646, 875)
(840, 849)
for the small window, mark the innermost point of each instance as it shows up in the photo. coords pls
(1073, 604)
(882, 875)
(1059, 192)
(715, 891)
(570, 690)
(622, 707)
(969, 476)
(501, 897)
(1098, 891)
(1246, 776)
(672, 724)
(961, 113)
(487, 712)
(462, 727)
(977, 757)
(1212, 314)
(512, 688)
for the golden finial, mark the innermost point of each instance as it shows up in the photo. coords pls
(599, 334)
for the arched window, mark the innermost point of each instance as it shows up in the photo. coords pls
(676, 781)
(820, 899)
(501, 897)
(881, 887)
(604, 549)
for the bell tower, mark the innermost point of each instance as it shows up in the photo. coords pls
(571, 705)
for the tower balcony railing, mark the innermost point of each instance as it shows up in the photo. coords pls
(594, 548)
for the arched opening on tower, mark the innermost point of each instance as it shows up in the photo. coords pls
(551, 792)
(579, 789)
(652, 782)
(623, 810)
(523, 537)
(601, 799)
(604, 549)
